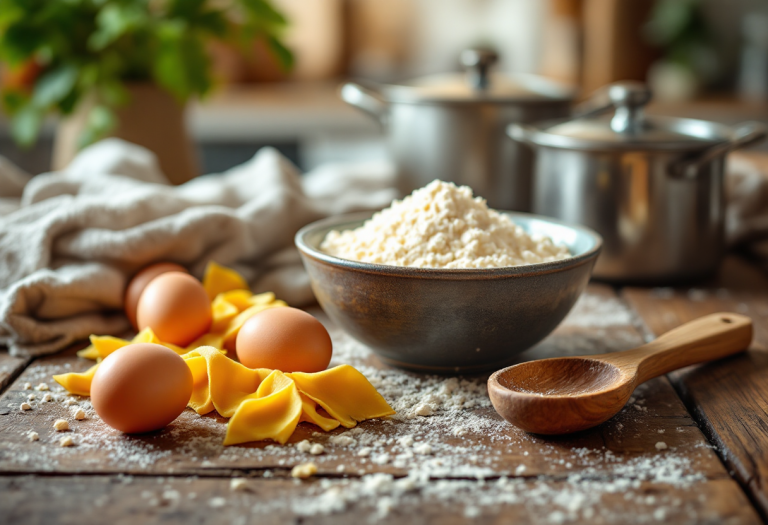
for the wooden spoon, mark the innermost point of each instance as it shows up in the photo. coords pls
(567, 394)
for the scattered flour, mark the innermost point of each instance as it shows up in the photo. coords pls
(217, 502)
(238, 484)
(304, 471)
(595, 311)
(442, 226)
(462, 454)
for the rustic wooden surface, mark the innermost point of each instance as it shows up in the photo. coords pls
(489, 472)
(117, 500)
(728, 398)
(10, 367)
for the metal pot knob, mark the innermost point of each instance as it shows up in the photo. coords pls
(478, 62)
(629, 98)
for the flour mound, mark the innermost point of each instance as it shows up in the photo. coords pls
(442, 226)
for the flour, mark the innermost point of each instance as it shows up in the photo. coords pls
(595, 311)
(442, 226)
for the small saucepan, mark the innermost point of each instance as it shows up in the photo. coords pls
(652, 186)
(451, 126)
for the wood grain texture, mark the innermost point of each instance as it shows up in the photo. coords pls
(192, 445)
(612, 473)
(10, 367)
(728, 398)
(122, 500)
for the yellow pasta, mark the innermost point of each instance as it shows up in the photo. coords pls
(261, 404)
(222, 312)
(77, 383)
(310, 415)
(344, 393)
(218, 279)
(227, 383)
(209, 339)
(272, 414)
(267, 404)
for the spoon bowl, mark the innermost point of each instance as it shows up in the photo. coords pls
(568, 394)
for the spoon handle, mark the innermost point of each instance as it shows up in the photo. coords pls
(704, 339)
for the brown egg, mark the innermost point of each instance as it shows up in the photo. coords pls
(141, 387)
(175, 306)
(140, 281)
(285, 339)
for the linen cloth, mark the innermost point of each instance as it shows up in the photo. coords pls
(69, 241)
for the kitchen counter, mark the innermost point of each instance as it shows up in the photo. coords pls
(281, 111)
(689, 447)
(313, 125)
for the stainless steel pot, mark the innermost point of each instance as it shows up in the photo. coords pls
(651, 186)
(451, 127)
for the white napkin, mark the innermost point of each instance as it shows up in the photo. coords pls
(70, 240)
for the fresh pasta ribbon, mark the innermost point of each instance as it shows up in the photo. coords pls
(310, 415)
(224, 384)
(219, 279)
(272, 414)
(344, 393)
(261, 403)
(77, 383)
(227, 386)
(103, 345)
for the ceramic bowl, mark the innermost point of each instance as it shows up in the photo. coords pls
(449, 320)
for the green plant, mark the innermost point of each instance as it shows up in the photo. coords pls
(59, 51)
(680, 30)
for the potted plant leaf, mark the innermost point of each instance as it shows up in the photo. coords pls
(122, 68)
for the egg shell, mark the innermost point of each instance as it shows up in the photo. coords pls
(176, 307)
(285, 339)
(140, 281)
(141, 387)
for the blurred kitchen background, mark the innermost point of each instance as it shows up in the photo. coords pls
(705, 59)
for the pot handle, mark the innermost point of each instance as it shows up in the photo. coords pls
(521, 133)
(364, 99)
(746, 134)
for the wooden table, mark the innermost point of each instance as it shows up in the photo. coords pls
(691, 447)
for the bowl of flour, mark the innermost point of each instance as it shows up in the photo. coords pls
(438, 282)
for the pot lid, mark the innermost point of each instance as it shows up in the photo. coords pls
(478, 84)
(628, 128)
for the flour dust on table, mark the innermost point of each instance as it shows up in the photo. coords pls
(445, 446)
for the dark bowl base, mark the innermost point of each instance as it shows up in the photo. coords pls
(448, 370)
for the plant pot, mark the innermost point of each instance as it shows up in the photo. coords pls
(152, 118)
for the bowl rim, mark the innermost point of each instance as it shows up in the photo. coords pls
(446, 273)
